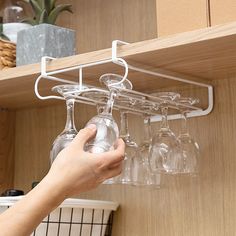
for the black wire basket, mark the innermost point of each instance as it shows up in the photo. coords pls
(74, 217)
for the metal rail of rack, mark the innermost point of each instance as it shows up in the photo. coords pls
(127, 99)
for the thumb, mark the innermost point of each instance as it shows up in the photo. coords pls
(84, 136)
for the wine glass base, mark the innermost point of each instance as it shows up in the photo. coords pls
(110, 79)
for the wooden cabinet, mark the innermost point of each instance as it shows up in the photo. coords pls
(180, 16)
(184, 206)
(222, 11)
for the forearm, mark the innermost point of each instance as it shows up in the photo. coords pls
(74, 171)
(22, 218)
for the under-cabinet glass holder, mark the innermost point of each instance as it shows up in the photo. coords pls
(135, 99)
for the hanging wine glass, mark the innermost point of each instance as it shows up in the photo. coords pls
(107, 129)
(69, 132)
(131, 147)
(165, 153)
(97, 95)
(152, 179)
(131, 150)
(189, 147)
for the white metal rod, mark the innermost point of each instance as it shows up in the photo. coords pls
(123, 63)
(58, 79)
(118, 61)
(44, 64)
(171, 77)
(192, 113)
(114, 48)
(78, 67)
(43, 97)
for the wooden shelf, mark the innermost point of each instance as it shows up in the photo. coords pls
(205, 54)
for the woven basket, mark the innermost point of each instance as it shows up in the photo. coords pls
(7, 54)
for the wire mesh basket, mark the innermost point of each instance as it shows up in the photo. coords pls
(73, 217)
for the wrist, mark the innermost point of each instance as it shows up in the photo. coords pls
(53, 188)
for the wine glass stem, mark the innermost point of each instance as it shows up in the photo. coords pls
(124, 130)
(70, 123)
(184, 123)
(147, 128)
(164, 113)
(110, 102)
(99, 108)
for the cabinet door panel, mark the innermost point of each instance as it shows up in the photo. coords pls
(98, 22)
(180, 16)
(222, 11)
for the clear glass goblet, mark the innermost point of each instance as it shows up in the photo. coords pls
(151, 179)
(165, 153)
(107, 129)
(189, 146)
(69, 132)
(131, 151)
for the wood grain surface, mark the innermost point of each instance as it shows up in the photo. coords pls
(205, 54)
(222, 11)
(201, 206)
(98, 22)
(180, 16)
(7, 132)
(183, 206)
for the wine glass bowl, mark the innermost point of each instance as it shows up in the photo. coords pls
(164, 156)
(61, 142)
(190, 148)
(165, 153)
(107, 129)
(107, 133)
(129, 168)
(68, 91)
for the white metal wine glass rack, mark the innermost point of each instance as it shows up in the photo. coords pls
(130, 100)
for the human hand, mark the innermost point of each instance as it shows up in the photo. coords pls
(75, 171)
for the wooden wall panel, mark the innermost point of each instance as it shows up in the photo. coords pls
(184, 206)
(199, 206)
(33, 139)
(7, 132)
(222, 11)
(98, 22)
(180, 16)
(36, 130)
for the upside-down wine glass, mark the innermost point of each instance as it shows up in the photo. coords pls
(131, 150)
(107, 129)
(189, 146)
(151, 179)
(165, 154)
(69, 132)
